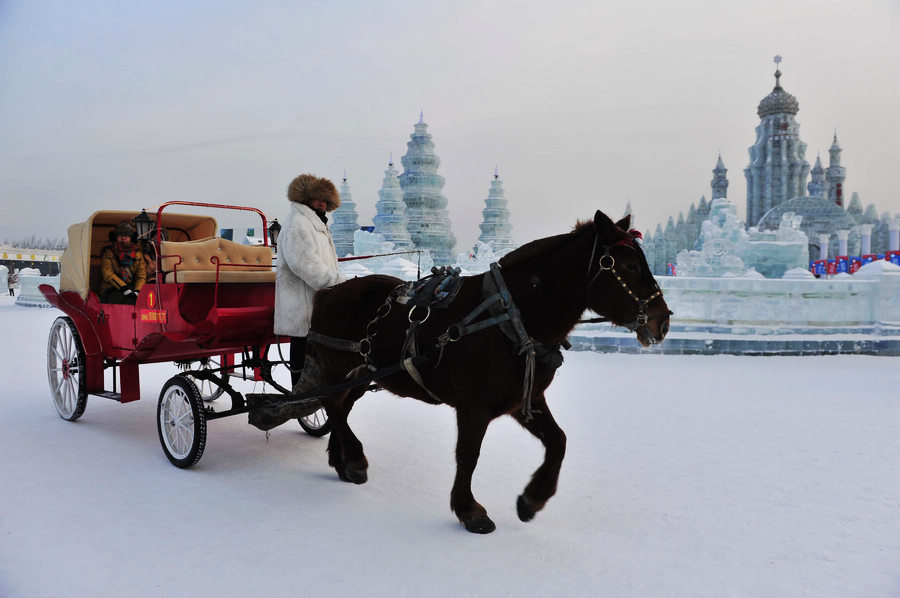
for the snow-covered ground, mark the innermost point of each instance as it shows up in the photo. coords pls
(685, 476)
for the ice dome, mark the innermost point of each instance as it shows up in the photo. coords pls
(877, 268)
(779, 101)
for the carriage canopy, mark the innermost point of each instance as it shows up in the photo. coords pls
(87, 239)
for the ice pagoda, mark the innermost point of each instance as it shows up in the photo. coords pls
(426, 207)
(344, 221)
(496, 230)
(390, 212)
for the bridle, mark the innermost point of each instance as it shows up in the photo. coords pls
(607, 263)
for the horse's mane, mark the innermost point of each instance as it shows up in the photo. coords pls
(529, 250)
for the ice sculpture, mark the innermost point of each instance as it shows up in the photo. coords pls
(426, 207)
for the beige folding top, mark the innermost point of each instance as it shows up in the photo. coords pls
(87, 240)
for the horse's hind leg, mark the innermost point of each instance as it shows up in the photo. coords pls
(345, 451)
(471, 428)
(543, 483)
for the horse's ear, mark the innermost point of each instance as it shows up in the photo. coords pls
(606, 228)
(624, 223)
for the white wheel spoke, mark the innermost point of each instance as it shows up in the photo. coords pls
(58, 354)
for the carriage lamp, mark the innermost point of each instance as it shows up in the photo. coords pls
(143, 224)
(274, 230)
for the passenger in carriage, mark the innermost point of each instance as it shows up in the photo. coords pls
(307, 261)
(122, 267)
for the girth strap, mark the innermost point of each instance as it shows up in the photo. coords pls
(410, 351)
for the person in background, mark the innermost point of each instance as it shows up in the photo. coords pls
(307, 261)
(11, 282)
(122, 267)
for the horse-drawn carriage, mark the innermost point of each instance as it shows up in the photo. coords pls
(209, 310)
(488, 345)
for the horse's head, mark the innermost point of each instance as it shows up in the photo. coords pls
(620, 285)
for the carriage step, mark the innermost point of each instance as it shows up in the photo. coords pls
(108, 394)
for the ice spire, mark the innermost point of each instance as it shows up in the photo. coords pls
(817, 185)
(835, 173)
(344, 221)
(719, 183)
(390, 211)
(496, 230)
(426, 207)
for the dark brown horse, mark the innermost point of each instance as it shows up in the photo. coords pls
(482, 374)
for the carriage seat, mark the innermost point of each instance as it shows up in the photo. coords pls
(192, 261)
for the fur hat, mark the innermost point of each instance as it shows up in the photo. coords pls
(124, 229)
(308, 187)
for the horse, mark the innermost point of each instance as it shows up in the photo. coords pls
(499, 369)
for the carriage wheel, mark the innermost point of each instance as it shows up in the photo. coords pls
(209, 391)
(316, 423)
(181, 421)
(65, 369)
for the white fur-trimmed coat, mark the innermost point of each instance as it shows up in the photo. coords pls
(307, 262)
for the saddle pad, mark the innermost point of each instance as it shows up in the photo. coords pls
(436, 290)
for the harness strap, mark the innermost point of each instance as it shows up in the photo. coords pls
(526, 343)
(461, 331)
(506, 316)
(408, 354)
(334, 343)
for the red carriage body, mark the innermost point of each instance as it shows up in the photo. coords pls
(212, 301)
(204, 302)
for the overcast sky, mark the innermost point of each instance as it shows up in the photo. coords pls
(581, 105)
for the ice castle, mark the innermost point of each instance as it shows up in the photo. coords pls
(780, 205)
(426, 207)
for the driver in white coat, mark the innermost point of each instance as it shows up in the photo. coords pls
(307, 261)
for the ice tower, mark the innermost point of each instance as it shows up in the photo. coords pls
(719, 183)
(426, 208)
(495, 228)
(344, 221)
(817, 185)
(835, 173)
(390, 211)
(778, 169)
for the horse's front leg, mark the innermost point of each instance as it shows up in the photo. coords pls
(345, 451)
(471, 428)
(543, 483)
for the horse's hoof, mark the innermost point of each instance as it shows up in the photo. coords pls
(526, 513)
(480, 525)
(353, 475)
